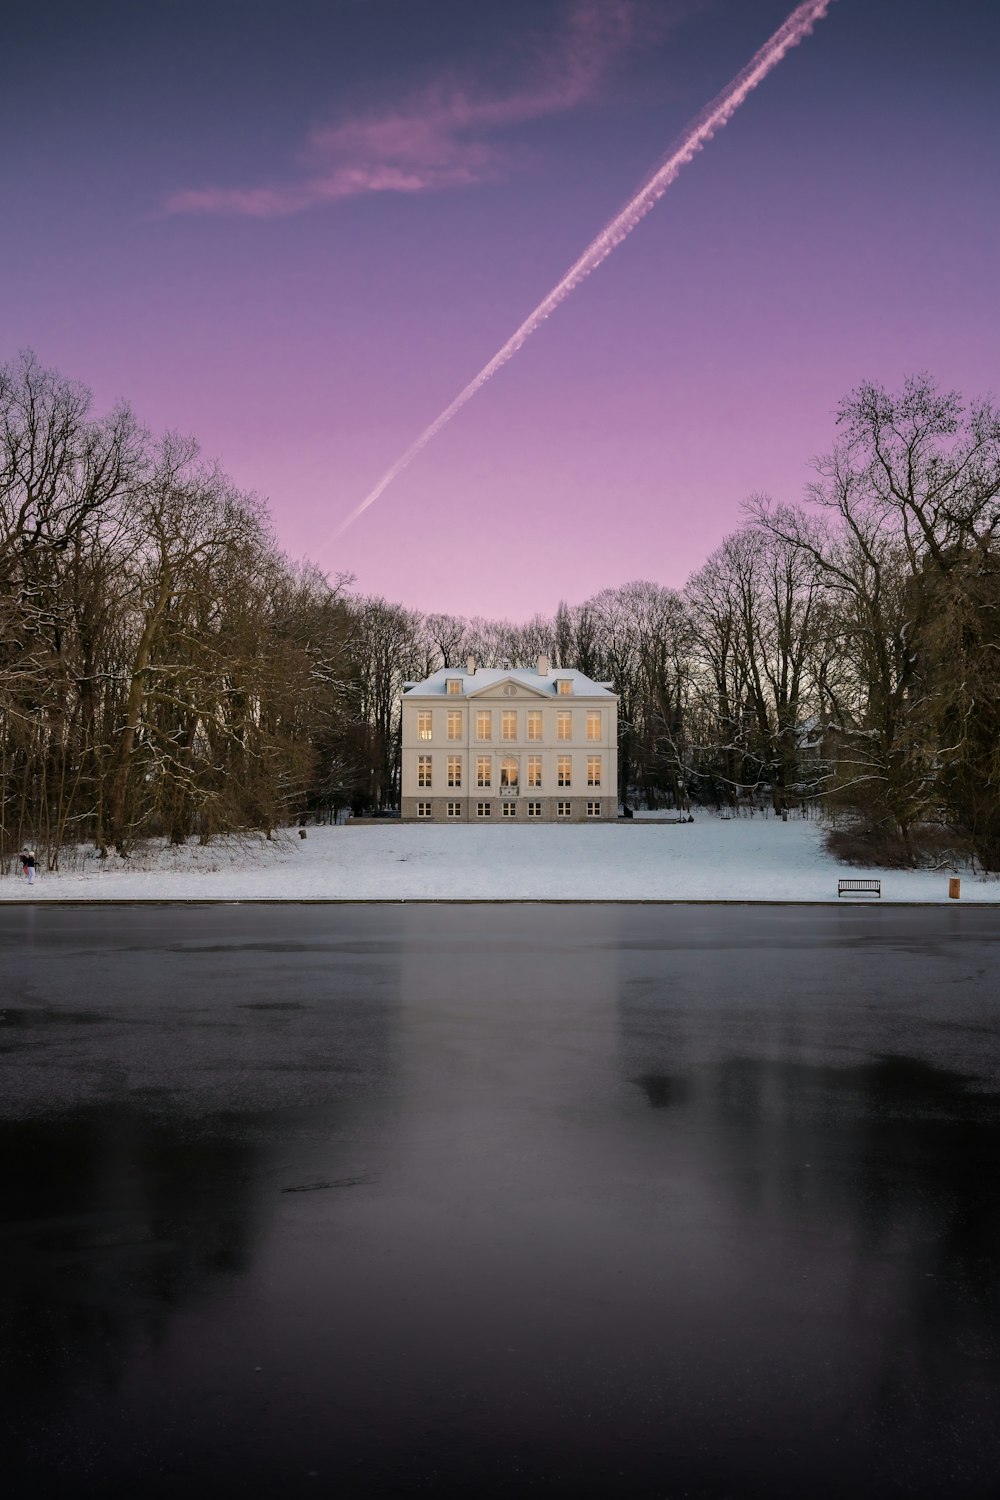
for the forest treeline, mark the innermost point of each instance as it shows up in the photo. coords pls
(166, 670)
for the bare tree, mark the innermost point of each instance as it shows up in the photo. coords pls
(910, 504)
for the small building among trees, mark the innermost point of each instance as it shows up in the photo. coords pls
(509, 744)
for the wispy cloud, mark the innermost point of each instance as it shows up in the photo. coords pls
(445, 137)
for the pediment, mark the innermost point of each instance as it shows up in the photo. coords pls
(508, 688)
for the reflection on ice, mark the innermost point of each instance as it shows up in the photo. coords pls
(493, 1200)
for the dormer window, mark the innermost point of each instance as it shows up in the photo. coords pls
(564, 686)
(454, 684)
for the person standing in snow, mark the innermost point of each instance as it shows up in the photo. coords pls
(28, 865)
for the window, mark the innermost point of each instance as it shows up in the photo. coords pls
(593, 809)
(423, 770)
(564, 686)
(594, 724)
(564, 725)
(454, 724)
(508, 725)
(423, 809)
(454, 685)
(563, 809)
(534, 723)
(484, 724)
(534, 809)
(484, 809)
(454, 770)
(424, 724)
(508, 771)
(564, 770)
(593, 770)
(454, 809)
(508, 809)
(483, 771)
(534, 770)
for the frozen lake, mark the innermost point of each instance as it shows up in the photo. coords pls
(594, 1201)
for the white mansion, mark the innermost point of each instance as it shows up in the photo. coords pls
(516, 743)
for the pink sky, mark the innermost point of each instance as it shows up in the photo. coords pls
(303, 258)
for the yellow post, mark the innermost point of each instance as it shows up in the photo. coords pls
(954, 889)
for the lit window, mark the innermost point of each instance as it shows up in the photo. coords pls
(454, 770)
(564, 687)
(508, 809)
(483, 777)
(594, 724)
(454, 685)
(593, 809)
(423, 770)
(564, 770)
(534, 809)
(423, 809)
(534, 723)
(534, 770)
(508, 771)
(593, 770)
(424, 725)
(564, 725)
(454, 809)
(484, 724)
(508, 726)
(454, 724)
(563, 809)
(484, 809)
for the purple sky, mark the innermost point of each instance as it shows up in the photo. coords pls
(296, 230)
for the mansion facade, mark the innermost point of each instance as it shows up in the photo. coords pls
(521, 744)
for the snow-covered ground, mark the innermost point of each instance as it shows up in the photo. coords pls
(746, 859)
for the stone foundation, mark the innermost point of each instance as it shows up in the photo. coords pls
(468, 805)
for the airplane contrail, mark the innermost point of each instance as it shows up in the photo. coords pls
(701, 130)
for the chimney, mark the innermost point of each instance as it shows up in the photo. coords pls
(470, 664)
(543, 666)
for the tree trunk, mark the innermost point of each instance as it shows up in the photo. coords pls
(133, 714)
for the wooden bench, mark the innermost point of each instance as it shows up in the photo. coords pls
(859, 887)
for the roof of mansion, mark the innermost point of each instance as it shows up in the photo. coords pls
(483, 679)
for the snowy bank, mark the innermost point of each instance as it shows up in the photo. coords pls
(709, 860)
